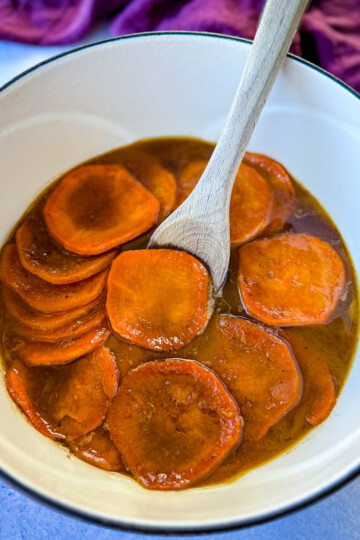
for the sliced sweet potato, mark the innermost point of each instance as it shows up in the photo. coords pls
(188, 180)
(319, 395)
(94, 318)
(292, 279)
(86, 393)
(97, 449)
(22, 314)
(251, 200)
(257, 367)
(43, 296)
(250, 205)
(24, 385)
(37, 353)
(41, 255)
(66, 402)
(98, 207)
(282, 187)
(173, 422)
(159, 298)
(148, 170)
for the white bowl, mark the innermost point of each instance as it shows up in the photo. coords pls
(101, 96)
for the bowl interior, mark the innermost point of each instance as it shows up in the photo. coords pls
(107, 95)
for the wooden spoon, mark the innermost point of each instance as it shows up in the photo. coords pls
(200, 225)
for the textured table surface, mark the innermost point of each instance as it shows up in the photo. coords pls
(336, 517)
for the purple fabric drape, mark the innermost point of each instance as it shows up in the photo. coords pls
(329, 34)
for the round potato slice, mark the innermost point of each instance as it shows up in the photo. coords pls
(158, 298)
(292, 279)
(97, 449)
(148, 170)
(95, 317)
(25, 386)
(22, 314)
(42, 256)
(281, 185)
(319, 395)
(39, 353)
(173, 422)
(98, 207)
(44, 296)
(257, 367)
(66, 402)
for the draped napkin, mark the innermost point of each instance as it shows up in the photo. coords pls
(329, 34)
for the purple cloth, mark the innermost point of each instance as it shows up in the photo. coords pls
(329, 35)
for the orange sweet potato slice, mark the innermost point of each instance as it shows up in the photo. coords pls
(250, 205)
(23, 384)
(85, 395)
(158, 299)
(251, 200)
(66, 402)
(319, 395)
(188, 179)
(173, 422)
(95, 317)
(97, 449)
(41, 255)
(257, 367)
(292, 279)
(37, 353)
(158, 180)
(22, 314)
(281, 184)
(98, 207)
(43, 296)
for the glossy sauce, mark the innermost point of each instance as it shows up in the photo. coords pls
(335, 341)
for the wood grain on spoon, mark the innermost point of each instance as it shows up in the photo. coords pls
(200, 225)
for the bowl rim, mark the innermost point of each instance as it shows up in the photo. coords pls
(165, 530)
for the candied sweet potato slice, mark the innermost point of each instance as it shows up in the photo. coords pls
(97, 449)
(23, 384)
(41, 255)
(37, 353)
(251, 200)
(86, 393)
(20, 312)
(281, 184)
(250, 205)
(292, 279)
(95, 317)
(173, 422)
(158, 298)
(188, 179)
(149, 171)
(319, 395)
(68, 401)
(98, 207)
(43, 296)
(257, 367)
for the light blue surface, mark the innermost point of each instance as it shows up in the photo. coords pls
(337, 517)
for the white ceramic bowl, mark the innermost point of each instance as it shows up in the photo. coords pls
(96, 98)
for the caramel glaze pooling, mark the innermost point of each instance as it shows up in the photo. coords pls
(334, 342)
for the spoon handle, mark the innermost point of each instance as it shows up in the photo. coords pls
(276, 30)
(201, 224)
